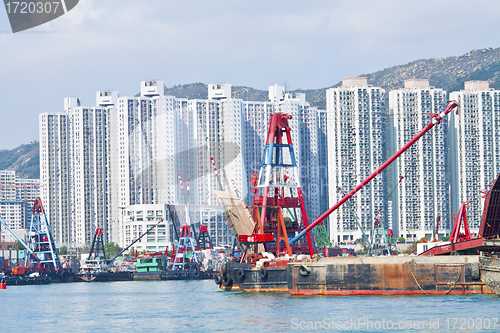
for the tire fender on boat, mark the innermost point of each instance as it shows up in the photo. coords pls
(224, 270)
(176, 274)
(241, 273)
(227, 281)
(218, 279)
(196, 274)
(263, 272)
(304, 271)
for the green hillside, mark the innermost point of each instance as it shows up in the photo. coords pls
(25, 160)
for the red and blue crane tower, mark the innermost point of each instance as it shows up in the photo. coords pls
(278, 194)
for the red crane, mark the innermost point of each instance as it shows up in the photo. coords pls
(436, 119)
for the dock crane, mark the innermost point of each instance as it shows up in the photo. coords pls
(41, 248)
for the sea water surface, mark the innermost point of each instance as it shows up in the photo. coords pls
(199, 306)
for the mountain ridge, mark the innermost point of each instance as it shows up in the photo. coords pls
(448, 74)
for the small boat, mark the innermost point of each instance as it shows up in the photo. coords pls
(100, 270)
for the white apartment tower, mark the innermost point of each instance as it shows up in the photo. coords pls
(420, 176)
(215, 130)
(323, 161)
(74, 169)
(355, 149)
(256, 123)
(231, 133)
(54, 172)
(474, 147)
(88, 172)
(16, 201)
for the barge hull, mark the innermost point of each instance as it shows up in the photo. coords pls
(490, 272)
(105, 276)
(256, 279)
(343, 276)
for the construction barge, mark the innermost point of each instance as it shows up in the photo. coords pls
(186, 260)
(41, 263)
(454, 267)
(337, 276)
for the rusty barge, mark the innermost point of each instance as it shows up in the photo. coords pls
(266, 225)
(401, 275)
(490, 272)
(339, 276)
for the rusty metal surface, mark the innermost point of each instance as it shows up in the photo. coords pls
(490, 272)
(402, 275)
(471, 246)
(490, 221)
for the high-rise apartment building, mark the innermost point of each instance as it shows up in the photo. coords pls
(54, 172)
(474, 147)
(7, 185)
(16, 200)
(127, 151)
(204, 142)
(322, 192)
(74, 169)
(88, 172)
(256, 126)
(355, 149)
(420, 176)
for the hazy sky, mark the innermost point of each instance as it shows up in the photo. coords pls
(114, 44)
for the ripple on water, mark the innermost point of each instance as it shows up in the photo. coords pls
(198, 306)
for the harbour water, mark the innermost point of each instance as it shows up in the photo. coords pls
(199, 306)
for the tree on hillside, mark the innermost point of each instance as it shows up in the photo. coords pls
(63, 250)
(112, 249)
